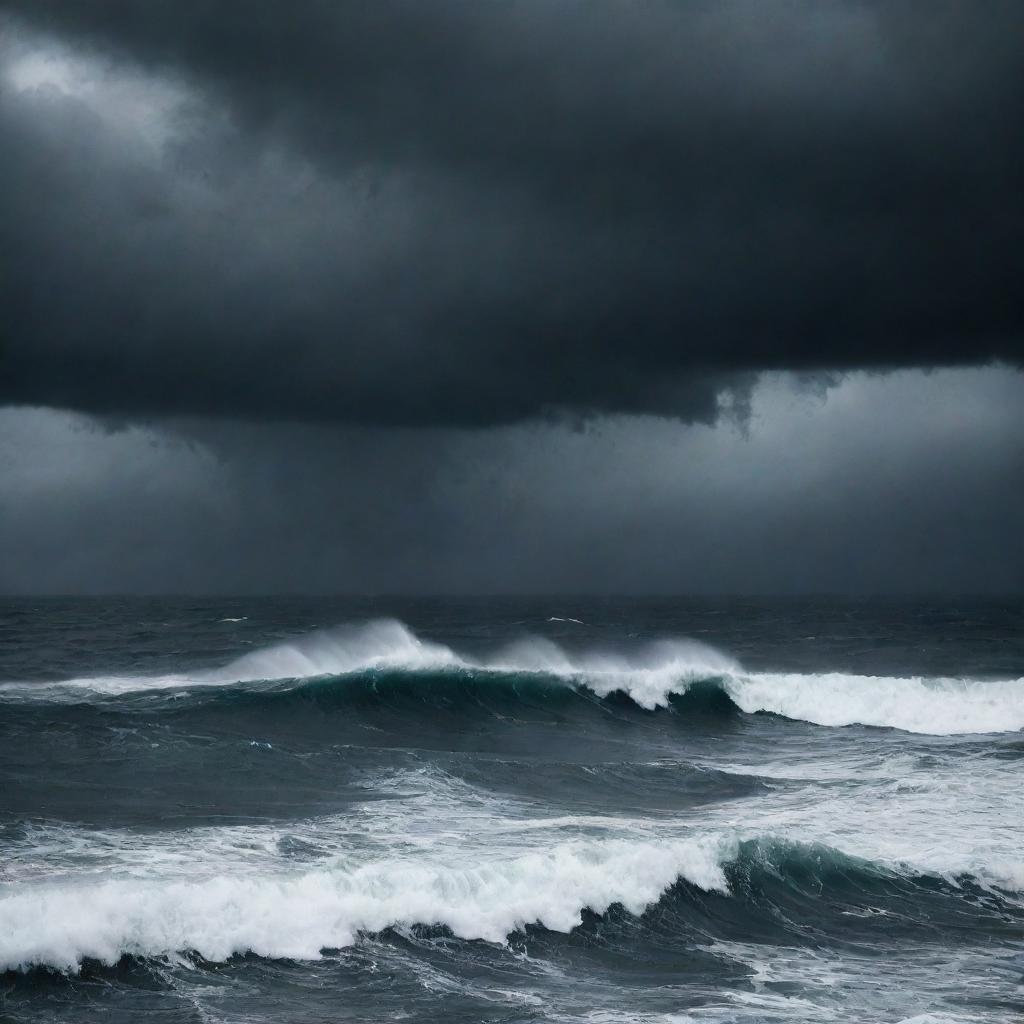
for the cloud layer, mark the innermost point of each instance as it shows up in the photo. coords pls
(472, 214)
(907, 482)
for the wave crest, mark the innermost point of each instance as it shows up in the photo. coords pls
(298, 916)
(652, 675)
(937, 707)
(382, 643)
(711, 885)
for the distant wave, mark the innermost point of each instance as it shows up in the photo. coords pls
(299, 915)
(654, 675)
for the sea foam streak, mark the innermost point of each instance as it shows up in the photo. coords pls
(297, 916)
(650, 675)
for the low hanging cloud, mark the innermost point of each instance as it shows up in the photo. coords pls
(907, 483)
(469, 214)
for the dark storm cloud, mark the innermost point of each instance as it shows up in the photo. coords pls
(908, 482)
(474, 213)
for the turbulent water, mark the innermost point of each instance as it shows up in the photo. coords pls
(511, 810)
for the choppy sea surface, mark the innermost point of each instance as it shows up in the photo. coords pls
(511, 810)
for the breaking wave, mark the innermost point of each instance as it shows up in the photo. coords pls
(653, 675)
(298, 916)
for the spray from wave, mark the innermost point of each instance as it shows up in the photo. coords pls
(651, 675)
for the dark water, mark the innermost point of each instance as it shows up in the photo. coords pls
(527, 809)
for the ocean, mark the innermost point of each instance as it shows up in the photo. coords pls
(511, 810)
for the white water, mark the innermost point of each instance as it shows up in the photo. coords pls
(297, 915)
(649, 675)
(938, 707)
(440, 850)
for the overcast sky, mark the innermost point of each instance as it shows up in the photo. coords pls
(511, 295)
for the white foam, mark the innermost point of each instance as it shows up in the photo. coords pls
(937, 707)
(649, 673)
(868, 984)
(656, 671)
(298, 915)
(442, 850)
